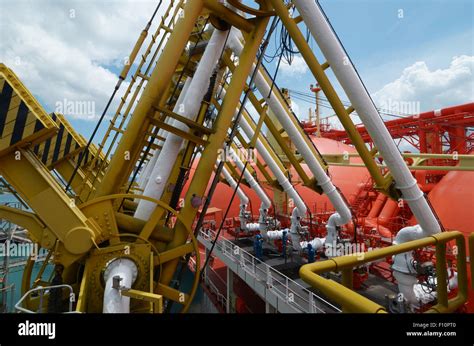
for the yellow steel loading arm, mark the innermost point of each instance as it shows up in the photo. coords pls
(92, 230)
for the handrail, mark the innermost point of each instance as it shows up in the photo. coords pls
(41, 288)
(276, 281)
(352, 301)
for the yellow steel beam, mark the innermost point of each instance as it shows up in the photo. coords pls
(227, 15)
(34, 183)
(174, 253)
(131, 142)
(81, 305)
(354, 302)
(329, 91)
(466, 162)
(216, 140)
(130, 224)
(173, 294)
(37, 230)
(23, 121)
(156, 299)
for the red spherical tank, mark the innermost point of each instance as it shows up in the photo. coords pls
(348, 179)
(453, 200)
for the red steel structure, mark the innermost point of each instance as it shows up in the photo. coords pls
(437, 131)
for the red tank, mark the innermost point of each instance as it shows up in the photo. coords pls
(348, 179)
(453, 200)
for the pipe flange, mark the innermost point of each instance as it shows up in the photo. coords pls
(113, 263)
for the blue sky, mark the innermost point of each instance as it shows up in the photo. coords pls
(411, 58)
(382, 45)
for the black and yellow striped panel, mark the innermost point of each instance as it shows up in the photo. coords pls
(22, 119)
(90, 154)
(65, 144)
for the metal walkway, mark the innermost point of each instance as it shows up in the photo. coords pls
(278, 290)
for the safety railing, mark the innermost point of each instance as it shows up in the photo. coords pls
(295, 295)
(43, 292)
(351, 301)
(221, 299)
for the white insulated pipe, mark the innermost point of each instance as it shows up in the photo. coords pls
(265, 201)
(277, 172)
(279, 175)
(285, 119)
(244, 200)
(127, 271)
(350, 81)
(189, 109)
(316, 243)
(292, 232)
(147, 171)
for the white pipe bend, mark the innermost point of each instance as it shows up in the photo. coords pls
(113, 301)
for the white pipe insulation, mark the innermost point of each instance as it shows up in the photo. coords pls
(127, 271)
(404, 270)
(148, 170)
(350, 81)
(189, 109)
(316, 243)
(323, 180)
(300, 208)
(265, 201)
(285, 119)
(277, 172)
(244, 200)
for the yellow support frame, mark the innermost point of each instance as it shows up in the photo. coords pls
(382, 183)
(130, 144)
(351, 301)
(34, 183)
(206, 164)
(466, 162)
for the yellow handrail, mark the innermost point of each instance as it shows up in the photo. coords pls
(352, 301)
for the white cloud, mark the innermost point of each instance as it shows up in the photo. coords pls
(420, 87)
(297, 110)
(71, 50)
(298, 66)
